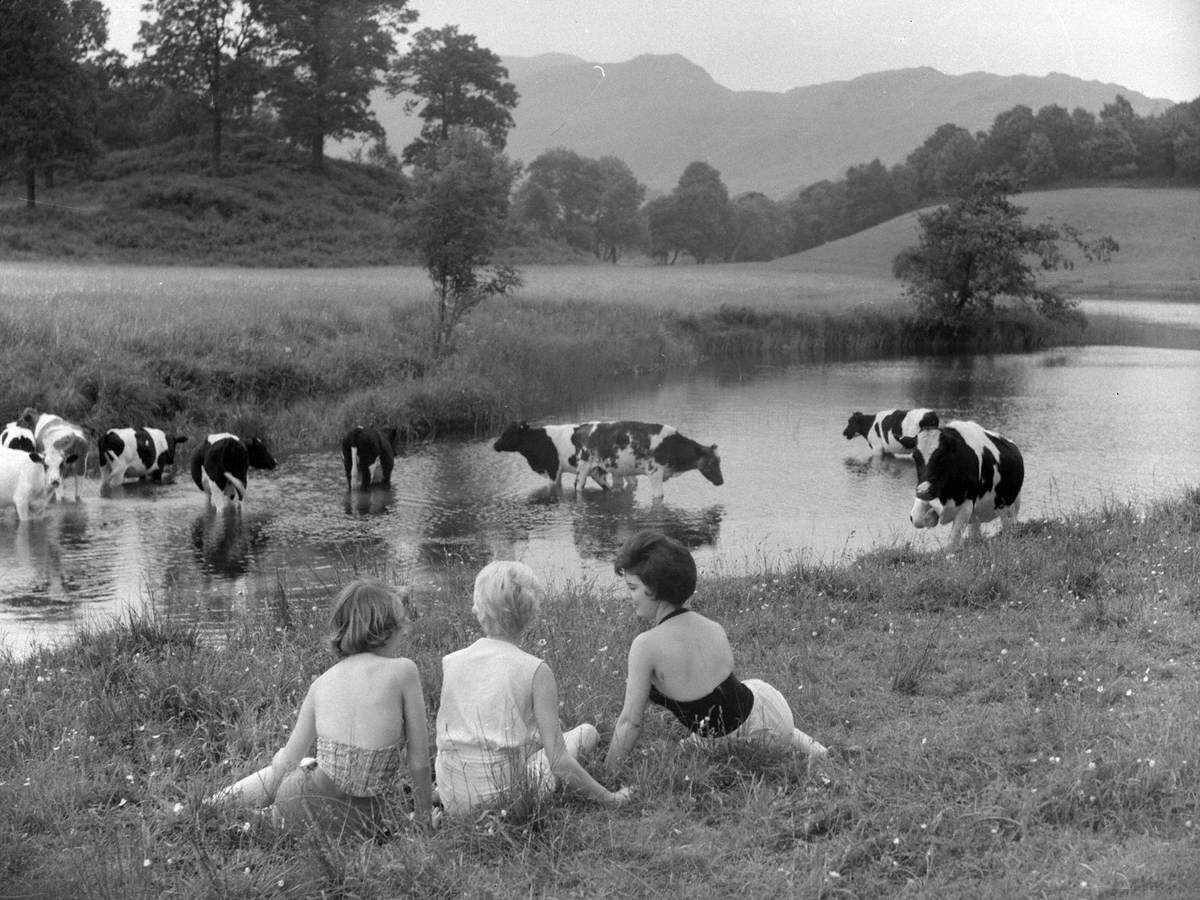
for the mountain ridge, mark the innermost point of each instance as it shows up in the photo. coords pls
(660, 112)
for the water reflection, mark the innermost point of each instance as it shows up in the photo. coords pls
(602, 522)
(377, 501)
(228, 541)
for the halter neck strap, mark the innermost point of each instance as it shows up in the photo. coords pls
(672, 614)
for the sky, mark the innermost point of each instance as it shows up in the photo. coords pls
(1148, 46)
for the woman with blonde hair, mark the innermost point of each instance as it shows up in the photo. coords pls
(366, 715)
(684, 662)
(497, 725)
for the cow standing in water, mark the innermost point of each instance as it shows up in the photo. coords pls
(366, 451)
(888, 431)
(629, 448)
(221, 466)
(27, 478)
(966, 476)
(56, 439)
(137, 453)
(549, 449)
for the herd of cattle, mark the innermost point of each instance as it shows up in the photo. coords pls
(966, 474)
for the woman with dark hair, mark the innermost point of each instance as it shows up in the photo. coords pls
(684, 662)
(366, 715)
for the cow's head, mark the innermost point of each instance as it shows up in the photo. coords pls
(858, 425)
(52, 461)
(259, 456)
(512, 437)
(166, 459)
(709, 464)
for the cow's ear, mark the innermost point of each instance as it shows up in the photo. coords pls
(929, 420)
(70, 459)
(36, 457)
(712, 447)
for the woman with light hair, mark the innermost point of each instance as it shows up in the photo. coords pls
(366, 715)
(497, 728)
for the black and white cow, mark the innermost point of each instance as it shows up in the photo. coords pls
(366, 451)
(55, 439)
(629, 449)
(221, 465)
(550, 450)
(137, 453)
(17, 437)
(27, 479)
(966, 476)
(888, 431)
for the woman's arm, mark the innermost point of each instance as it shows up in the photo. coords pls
(562, 763)
(637, 695)
(416, 738)
(258, 789)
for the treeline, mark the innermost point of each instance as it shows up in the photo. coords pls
(593, 204)
(301, 74)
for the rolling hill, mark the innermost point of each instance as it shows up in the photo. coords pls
(1158, 230)
(658, 113)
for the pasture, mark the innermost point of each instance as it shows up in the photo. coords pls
(1015, 721)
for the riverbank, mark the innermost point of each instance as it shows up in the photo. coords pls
(299, 356)
(1016, 720)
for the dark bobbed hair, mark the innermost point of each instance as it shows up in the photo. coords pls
(662, 563)
(366, 614)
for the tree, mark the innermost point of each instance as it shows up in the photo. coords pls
(208, 49)
(977, 250)
(760, 229)
(618, 222)
(460, 84)
(454, 216)
(47, 92)
(705, 218)
(327, 57)
(563, 191)
(1037, 162)
(665, 229)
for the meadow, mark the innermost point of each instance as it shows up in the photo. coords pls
(1018, 720)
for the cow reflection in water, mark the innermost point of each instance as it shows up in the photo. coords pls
(374, 501)
(603, 522)
(227, 541)
(889, 466)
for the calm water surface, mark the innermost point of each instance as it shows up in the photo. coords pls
(1094, 424)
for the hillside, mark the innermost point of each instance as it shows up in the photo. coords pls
(1158, 230)
(160, 206)
(658, 113)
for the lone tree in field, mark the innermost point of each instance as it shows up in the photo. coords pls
(977, 251)
(454, 217)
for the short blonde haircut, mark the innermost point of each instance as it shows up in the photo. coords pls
(508, 598)
(366, 614)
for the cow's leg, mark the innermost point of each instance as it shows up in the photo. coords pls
(959, 525)
(1009, 519)
(656, 482)
(975, 531)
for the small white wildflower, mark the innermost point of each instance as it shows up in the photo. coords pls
(145, 863)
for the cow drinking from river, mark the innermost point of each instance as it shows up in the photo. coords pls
(966, 476)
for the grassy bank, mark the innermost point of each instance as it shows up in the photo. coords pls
(298, 356)
(1018, 720)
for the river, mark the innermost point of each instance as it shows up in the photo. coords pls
(1095, 425)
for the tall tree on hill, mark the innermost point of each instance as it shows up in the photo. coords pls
(327, 57)
(208, 49)
(454, 217)
(456, 84)
(974, 253)
(48, 49)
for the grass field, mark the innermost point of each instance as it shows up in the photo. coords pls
(1158, 230)
(1018, 720)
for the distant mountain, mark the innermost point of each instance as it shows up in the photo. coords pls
(659, 113)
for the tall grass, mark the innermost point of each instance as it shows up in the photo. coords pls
(298, 357)
(1015, 720)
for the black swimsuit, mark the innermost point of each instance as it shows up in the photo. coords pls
(717, 713)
